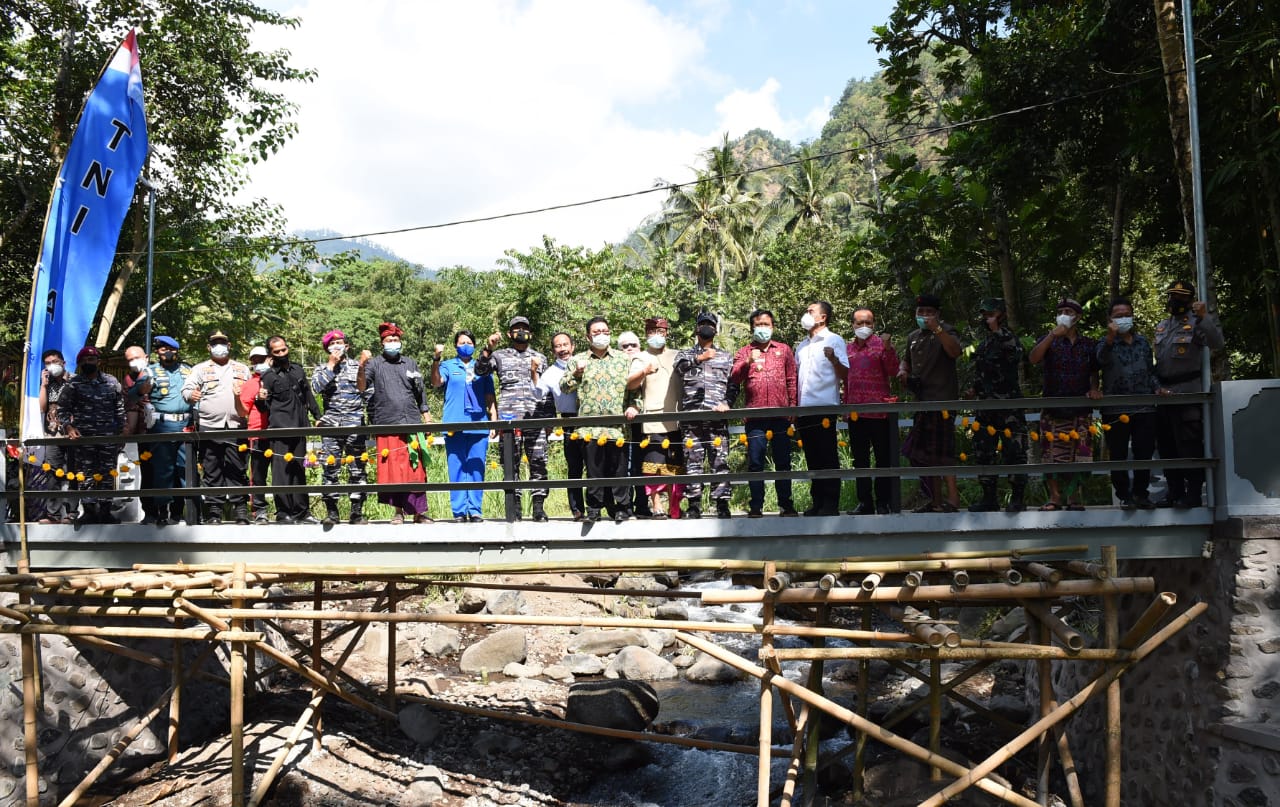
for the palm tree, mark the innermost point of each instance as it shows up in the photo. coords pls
(811, 194)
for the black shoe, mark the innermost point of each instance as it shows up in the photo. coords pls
(722, 509)
(1167, 502)
(621, 516)
(162, 522)
(105, 516)
(261, 517)
(1015, 506)
(1143, 503)
(983, 507)
(643, 515)
(281, 518)
(475, 519)
(1188, 503)
(1127, 503)
(577, 515)
(592, 516)
(694, 510)
(789, 512)
(331, 515)
(357, 517)
(306, 519)
(241, 515)
(813, 511)
(755, 512)
(863, 509)
(460, 519)
(882, 509)
(539, 514)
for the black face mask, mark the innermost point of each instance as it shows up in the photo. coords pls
(88, 368)
(1177, 305)
(520, 337)
(706, 332)
(280, 361)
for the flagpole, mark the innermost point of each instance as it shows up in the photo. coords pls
(151, 256)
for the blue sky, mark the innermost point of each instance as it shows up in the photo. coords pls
(432, 112)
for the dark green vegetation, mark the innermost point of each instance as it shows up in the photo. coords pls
(1021, 149)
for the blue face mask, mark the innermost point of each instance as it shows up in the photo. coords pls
(920, 321)
(466, 351)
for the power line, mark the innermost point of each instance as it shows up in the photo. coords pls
(665, 187)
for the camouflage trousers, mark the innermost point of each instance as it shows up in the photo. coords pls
(90, 460)
(1001, 448)
(704, 456)
(348, 445)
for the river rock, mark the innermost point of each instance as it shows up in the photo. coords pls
(470, 601)
(709, 670)
(495, 652)
(640, 664)
(1004, 627)
(1011, 707)
(419, 723)
(672, 610)
(603, 642)
(439, 640)
(559, 672)
(582, 664)
(655, 640)
(518, 670)
(624, 704)
(426, 790)
(504, 603)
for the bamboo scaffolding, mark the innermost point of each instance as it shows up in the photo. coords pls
(1049, 699)
(980, 591)
(30, 740)
(1097, 571)
(317, 593)
(793, 764)
(935, 705)
(318, 661)
(947, 689)
(175, 702)
(862, 705)
(1068, 635)
(237, 701)
(200, 634)
(1096, 686)
(264, 784)
(859, 723)
(391, 649)
(813, 750)
(1044, 572)
(145, 658)
(949, 653)
(1037, 630)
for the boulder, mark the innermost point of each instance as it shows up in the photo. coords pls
(655, 640)
(1010, 707)
(559, 672)
(709, 670)
(495, 651)
(470, 601)
(439, 640)
(640, 664)
(1004, 627)
(603, 642)
(629, 705)
(426, 790)
(672, 610)
(504, 603)
(518, 670)
(419, 723)
(582, 664)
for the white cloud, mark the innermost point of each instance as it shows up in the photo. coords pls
(743, 110)
(430, 112)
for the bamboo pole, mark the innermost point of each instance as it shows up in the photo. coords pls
(777, 581)
(146, 594)
(813, 741)
(107, 761)
(317, 593)
(1150, 617)
(49, 629)
(1059, 732)
(829, 581)
(935, 707)
(30, 738)
(797, 756)
(980, 591)
(862, 705)
(913, 580)
(302, 649)
(765, 739)
(959, 578)
(237, 701)
(1097, 571)
(175, 702)
(1094, 687)
(1012, 576)
(948, 689)
(391, 650)
(264, 784)
(870, 582)
(15, 615)
(1037, 630)
(1113, 725)
(859, 723)
(1068, 635)
(948, 653)
(1045, 573)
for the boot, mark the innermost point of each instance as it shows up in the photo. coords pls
(1016, 504)
(331, 515)
(538, 513)
(357, 513)
(694, 509)
(212, 514)
(988, 503)
(240, 514)
(105, 516)
(722, 509)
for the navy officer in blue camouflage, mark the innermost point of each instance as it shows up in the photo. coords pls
(704, 371)
(91, 405)
(518, 367)
(334, 383)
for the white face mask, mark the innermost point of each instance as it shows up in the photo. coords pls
(600, 341)
(219, 351)
(1124, 324)
(261, 368)
(391, 348)
(337, 350)
(864, 333)
(1066, 320)
(807, 321)
(56, 370)
(657, 341)
(138, 365)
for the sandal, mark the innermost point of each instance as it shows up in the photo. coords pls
(1050, 507)
(947, 507)
(927, 507)
(398, 518)
(423, 518)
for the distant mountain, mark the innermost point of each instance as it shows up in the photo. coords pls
(368, 250)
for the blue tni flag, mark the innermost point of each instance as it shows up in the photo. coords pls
(89, 202)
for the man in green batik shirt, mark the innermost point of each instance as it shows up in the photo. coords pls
(600, 377)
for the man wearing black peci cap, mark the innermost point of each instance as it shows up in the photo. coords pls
(1180, 339)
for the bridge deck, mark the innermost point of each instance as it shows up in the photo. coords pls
(1138, 534)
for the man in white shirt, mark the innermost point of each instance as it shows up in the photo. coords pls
(822, 362)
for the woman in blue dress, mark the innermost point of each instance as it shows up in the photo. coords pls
(466, 397)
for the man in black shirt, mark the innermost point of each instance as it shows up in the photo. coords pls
(286, 394)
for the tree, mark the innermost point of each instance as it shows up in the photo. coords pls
(812, 191)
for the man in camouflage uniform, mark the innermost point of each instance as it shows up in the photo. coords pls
(517, 368)
(1001, 438)
(92, 405)
(334, 383)
(1180, 338)
(162, 386)
(704, 371)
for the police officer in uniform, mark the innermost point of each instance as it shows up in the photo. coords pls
(1180, 338)
(518, 368)
(1001, 438)
(335, 384)
(92, 404)
(162, 385)
(704, 371)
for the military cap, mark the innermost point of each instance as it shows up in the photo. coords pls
(87, 352)
(1067, 302)
(653, 323)
(928, 301)
(218, 336)
(518, 320)
(993, 304)
(707, 316)
(166, 341)
(1181, 288)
